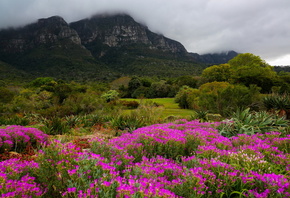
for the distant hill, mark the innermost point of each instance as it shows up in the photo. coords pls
(282, 68)
(102, 47)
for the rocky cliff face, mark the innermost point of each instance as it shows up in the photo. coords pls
(43, 32)
(104, 31)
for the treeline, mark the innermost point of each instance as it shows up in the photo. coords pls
(239, 84)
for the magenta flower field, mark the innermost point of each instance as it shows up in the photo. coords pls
(180, 159)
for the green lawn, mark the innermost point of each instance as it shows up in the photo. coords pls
(171, 108)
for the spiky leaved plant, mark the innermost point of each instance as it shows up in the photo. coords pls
(247, 122)
(281, 103)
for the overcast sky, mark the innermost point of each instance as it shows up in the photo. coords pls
(261, 27)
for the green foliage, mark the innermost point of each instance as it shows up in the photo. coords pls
(83, 103)
(186, 80)
(110, 96)
(159, 90)
(235, 97)
(210, 96)
(185, 97)
(220, 72)
(130, 104)
(141, 92)
(62, 91)
(55, 126)
(277, 102)
(147, 113)
(6, 95)
(14, 120)
(134, 84)
(217, 97)
(127, 122)
(141, 87)
(43, 82)
(201, 115)
(250, 69)
(246, 122)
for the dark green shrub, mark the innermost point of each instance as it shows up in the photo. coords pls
(130, 104)
(6, 95)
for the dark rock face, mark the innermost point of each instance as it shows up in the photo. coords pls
(44, 31)
(121, 30)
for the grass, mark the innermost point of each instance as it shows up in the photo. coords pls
(171, 108)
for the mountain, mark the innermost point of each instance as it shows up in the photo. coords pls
(100, 47)
(215, 58)
(48, 47)
(103, 32)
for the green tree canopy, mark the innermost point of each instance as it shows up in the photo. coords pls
(134, 84)
(111, 95)
(250, 69)
(220, 72)
(186, 80)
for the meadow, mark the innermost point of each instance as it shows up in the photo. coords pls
(168, 107)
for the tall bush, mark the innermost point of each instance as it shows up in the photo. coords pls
(217, 97)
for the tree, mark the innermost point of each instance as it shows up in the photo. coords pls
(224, 98)
(134, 84)
(41, 81)
(140, 92)
(184, 97)
(220, 72)
(111, 95)
(62, 91)
(210, 98)
(236, 97)
(251, 69)
(186, 80)
(159, 89)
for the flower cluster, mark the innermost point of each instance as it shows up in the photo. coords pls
(15, 180)
(181, 159)
(17, 138)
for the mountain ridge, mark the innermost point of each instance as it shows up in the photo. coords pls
(99, 47)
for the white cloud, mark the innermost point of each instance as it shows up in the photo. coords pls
(281, 61)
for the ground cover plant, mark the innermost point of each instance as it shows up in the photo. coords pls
(178, 159)
(18, 138)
